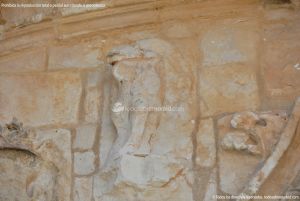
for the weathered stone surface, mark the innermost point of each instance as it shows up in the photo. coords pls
(30, 60)
(55, 146)
(32, 39)
(177, 30)
(108, 132)
(92, 105)
(74, 56)
(26, 177)
(212, 187)
(214, 59)
(178, 189)
(1, 31)
(137, 163)
(246, 139)
(45, 156)
(40, 99)
(84, 162)
(284, 156)
(19, 16)
(85, 137)
(281, 59)
(206, 146)
(228, 43)
(83, 189)
(228, 88)
(74, 10)
(94, 77)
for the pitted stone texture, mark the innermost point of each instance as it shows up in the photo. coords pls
(84, 162)
(228, 88)
(30, 60)
(237, 163)
(83, 189)
(55, 146)
(40, 99)
(83, 55)
(85, 137)
(206, 146)
(228, 42)
(25, 177)
(49, 148)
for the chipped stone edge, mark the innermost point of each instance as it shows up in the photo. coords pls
(285, 140)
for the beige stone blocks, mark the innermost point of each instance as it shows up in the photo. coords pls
(41, 98)
(85, 137)
(92, 105)
(228, 72)
(83, 189)
(54, 145)
(24, 61)
(280, 60)
(215, 62)
(84, 162)
(74, 56)
(206, 145)
(227, 88)
(229, 42)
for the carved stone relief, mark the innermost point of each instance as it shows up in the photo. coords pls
(252, 144)
(133, 167)
(27, 173)
(25, 177)
(247, 137)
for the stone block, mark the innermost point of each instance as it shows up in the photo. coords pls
(94, 78)
(227, 88)
(83, 189)
(177, 30)
(85, 137)
(17, 16)
(55, 146)
(74, 56)
(41, 98)
(229, 42)
(29, 60)
(84, 162)
(92, 105)
(281, 61)
(206, 147)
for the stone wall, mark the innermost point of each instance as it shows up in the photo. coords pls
(68, 84)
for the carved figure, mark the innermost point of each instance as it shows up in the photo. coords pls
(254, 133)
(138, 82)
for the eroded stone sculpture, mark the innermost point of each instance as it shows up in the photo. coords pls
(248, 137)
(252, 134)
(137, 74)
(35, 164)
(133, 167)
(24, 176)
(260, 147)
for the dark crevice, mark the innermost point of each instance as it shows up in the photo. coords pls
(18, 151)
(278, 1)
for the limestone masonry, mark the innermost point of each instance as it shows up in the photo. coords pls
(140, 100)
